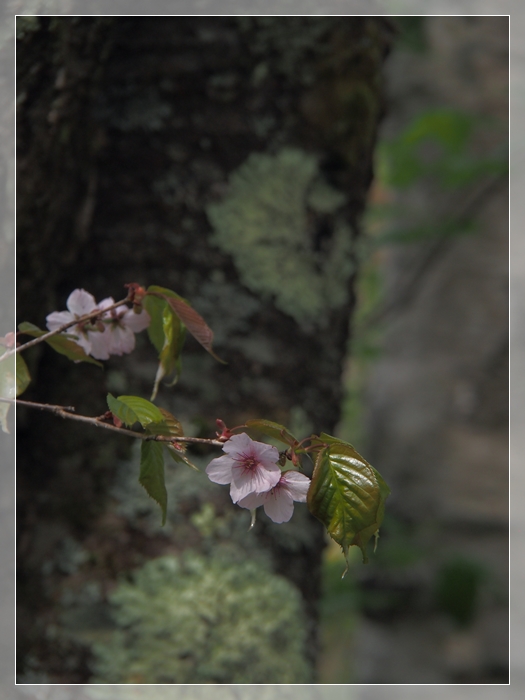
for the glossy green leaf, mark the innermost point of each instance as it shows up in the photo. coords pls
(23, 378)
(192, 320)
(133, 409)
(347, 494)
(152, 473)
(61, 343)
(274, 430)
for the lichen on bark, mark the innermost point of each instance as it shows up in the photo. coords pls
(266, 222)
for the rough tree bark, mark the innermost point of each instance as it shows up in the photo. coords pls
(144, 147)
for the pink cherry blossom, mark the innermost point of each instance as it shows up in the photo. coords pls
(118, 337)
(250, 467)
(79, 303)
(278, 501)
(119, 325)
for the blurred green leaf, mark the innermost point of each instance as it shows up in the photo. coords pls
(437, 144)
(8, 386)
(457, 588)
(60, 343)
(450, 127)
(23, 377)
(423, 232)
(411, 32)
(347, 494)
(152, 474)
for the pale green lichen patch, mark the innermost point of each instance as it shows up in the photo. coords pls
(267, 224)
(191, 619)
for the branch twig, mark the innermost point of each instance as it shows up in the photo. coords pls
(99, 422)
(61, 329)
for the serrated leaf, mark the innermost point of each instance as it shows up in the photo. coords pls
(61, 343)
(346, 494)
(133, 409)
(274, 430)
(23, 378)
(152, 474)
(192, 320)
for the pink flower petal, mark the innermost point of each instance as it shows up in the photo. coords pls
(121, 340)
(109, 301)
(136, 322)
(252, 500)
(58, 318)
(219, 470)
(238, 443)
(257, 481)
(278, 506)
(296, 484)
(80, 302)
(99, 344)
(241, 488)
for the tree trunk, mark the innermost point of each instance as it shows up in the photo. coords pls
(227, 159)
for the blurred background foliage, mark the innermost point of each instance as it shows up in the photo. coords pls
(438, 151)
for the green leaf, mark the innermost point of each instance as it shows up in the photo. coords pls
(133, 409)
(178, 456)
(152, 474)
(155, 307)
(347, 494)
(168, 427)
(274, 430)
(61, 343)
(167, 333)
(23, 377)
(7, 387)
(193, 321)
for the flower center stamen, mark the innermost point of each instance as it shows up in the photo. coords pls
(249, 463)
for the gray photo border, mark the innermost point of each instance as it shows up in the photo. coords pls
(8, 11)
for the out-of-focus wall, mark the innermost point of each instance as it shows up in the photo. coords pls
(437, 397)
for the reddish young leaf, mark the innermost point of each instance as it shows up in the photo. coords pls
(192, 320)
(195, 324)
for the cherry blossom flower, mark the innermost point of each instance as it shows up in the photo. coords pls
(118, 325)
(278, 501)
(250, 467)
(118, 337)
(79, 303)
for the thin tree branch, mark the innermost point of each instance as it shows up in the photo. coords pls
(99, 422)
(61, 329)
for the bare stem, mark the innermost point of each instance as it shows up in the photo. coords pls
(100, 422)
